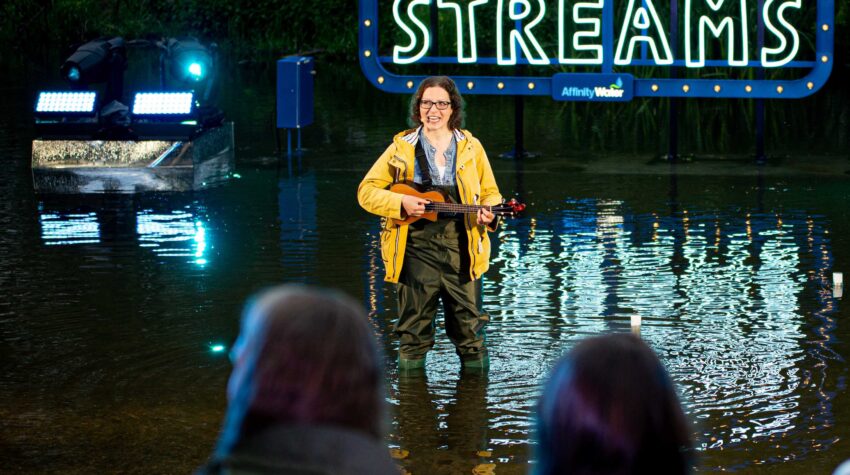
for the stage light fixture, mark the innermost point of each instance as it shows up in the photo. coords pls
(151, 104)
(190, 61)
(66, 114)
(94, 61)
(66, 102)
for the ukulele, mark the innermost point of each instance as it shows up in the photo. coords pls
(438, 204)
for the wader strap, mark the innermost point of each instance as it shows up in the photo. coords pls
(424, 169)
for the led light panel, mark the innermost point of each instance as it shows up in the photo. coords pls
(162, 103)
(66, 101)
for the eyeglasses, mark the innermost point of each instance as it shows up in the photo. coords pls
(441, 105)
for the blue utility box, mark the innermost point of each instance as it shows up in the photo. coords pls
(294, 92)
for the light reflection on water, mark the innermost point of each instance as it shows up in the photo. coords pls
(720, 300)
(735, 304)
(297, 204)
(178, 234)
(174, 234)
(74, 228)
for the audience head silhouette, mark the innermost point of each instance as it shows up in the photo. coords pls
(609, 407)
(306, 387)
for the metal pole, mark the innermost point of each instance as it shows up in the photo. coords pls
(519, 126)
(276, 130)
(673, 116)
(519, 104)
(288, 142)
(673, 120)
(759, 109)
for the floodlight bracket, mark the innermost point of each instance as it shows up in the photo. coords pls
(100, 60)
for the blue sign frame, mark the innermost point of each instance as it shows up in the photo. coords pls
(372, 65)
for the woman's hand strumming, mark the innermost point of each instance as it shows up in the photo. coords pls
(413, 206)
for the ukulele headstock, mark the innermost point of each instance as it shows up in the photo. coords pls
(512, 207)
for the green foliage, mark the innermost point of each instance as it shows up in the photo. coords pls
(255, 30)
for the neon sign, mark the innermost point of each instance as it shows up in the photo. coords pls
(610, 38)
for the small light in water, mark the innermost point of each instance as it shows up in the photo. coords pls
(236, 175)
(200, 243)
(635, 320)
(216, 348)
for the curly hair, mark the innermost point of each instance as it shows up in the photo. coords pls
(446, 83)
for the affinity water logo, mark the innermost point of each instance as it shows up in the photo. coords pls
(591, 87)
(614, 90)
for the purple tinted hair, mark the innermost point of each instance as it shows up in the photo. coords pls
(610, 408)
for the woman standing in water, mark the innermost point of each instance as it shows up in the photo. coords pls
(441, 260)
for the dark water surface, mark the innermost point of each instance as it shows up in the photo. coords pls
(112, 306)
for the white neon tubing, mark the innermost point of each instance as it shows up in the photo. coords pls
(783, 43)
(515, 37)
(426, 42)
(640, 18)
(594, 32)
(473, 40)
(716, 30)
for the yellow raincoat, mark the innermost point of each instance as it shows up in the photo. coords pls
(475, 182)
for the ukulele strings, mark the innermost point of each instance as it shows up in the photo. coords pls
(461, 208)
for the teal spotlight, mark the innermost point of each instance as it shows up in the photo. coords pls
(190, 61)
(217, 348)
(93, 61)
(196, 71)
(98, 61)
(74, 74)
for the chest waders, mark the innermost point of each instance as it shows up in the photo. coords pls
(436, 269)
